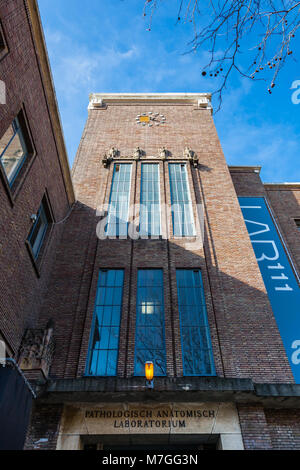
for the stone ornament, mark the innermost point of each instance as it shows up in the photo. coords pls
(112, 153)
(37, 349)
(137, 153)
(191, 156)
(163, 153)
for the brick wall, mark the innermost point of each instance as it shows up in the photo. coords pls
(284, 428)
(244, 334)
(254, 427)
(43, 430)
(21, 290)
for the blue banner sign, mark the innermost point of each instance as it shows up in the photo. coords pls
(280, 279)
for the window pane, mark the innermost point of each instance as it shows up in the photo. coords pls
(103, 355)
(150, 334)
(182, 214)
(38, 231)
(195, 338)
(12, 150)
(149, 203)
(119, 201)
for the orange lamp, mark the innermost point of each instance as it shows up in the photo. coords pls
(149, 371)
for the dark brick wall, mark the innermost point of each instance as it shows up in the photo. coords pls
(254, 427)
(264, 429)
(244, 334)
(21, 290)
(43, 430)
(284, 428)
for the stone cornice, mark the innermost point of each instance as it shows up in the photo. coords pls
(244, 169)
(99, 100)
(281, 186)
(166, 389)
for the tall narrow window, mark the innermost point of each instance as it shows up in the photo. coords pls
(13, 151)
(195, 338)
(104, 346)
(182, 214)
(117, 225)
(150, 200)
(150, 336)
(297, 222)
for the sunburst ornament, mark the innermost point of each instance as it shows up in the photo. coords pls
(150, 119)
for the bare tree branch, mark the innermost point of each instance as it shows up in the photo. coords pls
(264, 30)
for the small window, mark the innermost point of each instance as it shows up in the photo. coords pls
(38, 232)
(16, 151)
(3, 44)
(297, 222)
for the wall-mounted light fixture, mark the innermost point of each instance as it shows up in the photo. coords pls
(149, 373)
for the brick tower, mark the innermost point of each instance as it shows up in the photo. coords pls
(156, 265)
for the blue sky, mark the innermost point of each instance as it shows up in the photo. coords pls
(104, 46)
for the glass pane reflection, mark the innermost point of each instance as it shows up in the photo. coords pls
(103, 357)
(150, 335)
(195, 338)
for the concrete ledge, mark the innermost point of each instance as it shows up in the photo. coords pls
(166, 389)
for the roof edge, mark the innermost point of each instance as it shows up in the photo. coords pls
(201, 100)
(281, 186)
(244, 169)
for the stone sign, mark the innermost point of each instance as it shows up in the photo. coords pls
(134, 418)
(155, 418)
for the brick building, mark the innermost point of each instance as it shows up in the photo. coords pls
(156, 264)
(36, 194)
(167, 256)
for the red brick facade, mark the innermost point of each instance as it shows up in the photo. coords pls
(245, 339)
(22, 287)
(61, 285)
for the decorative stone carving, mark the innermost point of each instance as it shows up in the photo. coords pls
(137, 153)
(95, 103)
(106, 161)
(37, 349)
(163, 153)
(205, 102)
(191, 156)
(112, 153)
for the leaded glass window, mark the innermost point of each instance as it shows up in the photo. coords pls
(150, 334)
(117, 224)
(195, 337)
(104, 347)
(13, 151)
(182, 213)
(150, 200)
